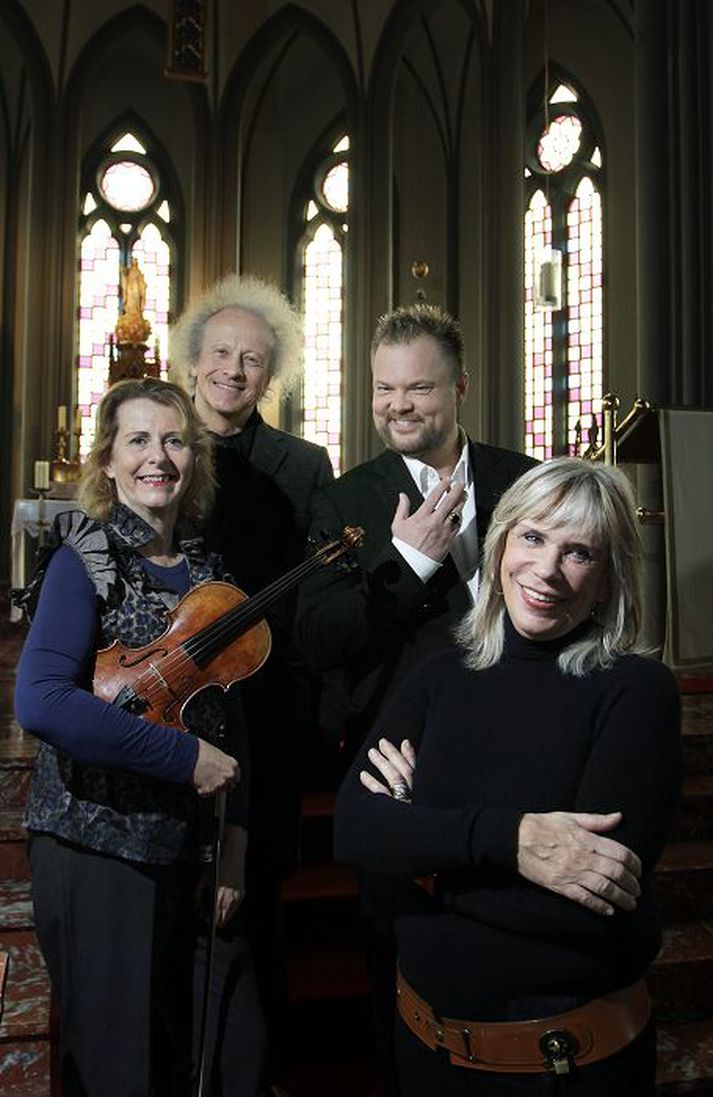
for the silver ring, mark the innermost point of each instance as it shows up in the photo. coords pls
(400, 791)
(455, 518)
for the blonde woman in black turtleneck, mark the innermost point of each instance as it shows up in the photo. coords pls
(542, 733)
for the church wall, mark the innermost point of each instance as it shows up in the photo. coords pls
(303, 99)
(238, 142)
(593, 42)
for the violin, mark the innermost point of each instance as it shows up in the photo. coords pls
(216, 635)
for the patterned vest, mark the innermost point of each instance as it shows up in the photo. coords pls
(112, 810)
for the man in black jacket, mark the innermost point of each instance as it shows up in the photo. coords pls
(424, 503)
(227, 348)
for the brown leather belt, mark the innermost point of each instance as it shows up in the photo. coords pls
(584, 1035)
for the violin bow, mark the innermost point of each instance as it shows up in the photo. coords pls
(217, 843)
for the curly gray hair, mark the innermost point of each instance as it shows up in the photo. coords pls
(240, 292)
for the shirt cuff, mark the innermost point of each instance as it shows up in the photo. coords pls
(423, 565)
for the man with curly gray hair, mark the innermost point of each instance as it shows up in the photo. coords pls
(280, 332)
(226, 349)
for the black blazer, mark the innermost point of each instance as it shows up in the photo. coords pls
(259, 525)
(261, 516)
(378, 619)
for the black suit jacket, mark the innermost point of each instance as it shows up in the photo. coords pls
(378, 619)
(260, 525)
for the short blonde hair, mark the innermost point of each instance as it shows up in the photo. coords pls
(410, 322)
(598, 500)
(97, 492)
(247, 292)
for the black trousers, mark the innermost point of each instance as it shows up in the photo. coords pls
(125, 960)
(426, 1073)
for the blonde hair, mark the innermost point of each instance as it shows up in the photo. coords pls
(597, 500)
(97, 492)
(240, 292)
(410, 322)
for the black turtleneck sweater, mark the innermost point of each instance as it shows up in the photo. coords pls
(491, 745)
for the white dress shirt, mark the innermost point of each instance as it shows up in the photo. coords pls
(464, 548)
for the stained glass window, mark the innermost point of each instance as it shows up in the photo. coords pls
(538, 336)
(98, 313)
(127, 186)
(564, 348)
(322, 246)
(125, 214)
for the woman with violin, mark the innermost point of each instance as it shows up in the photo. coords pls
(120, 812)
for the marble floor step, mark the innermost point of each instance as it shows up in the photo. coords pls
(683, 880)
(14, 785)
(17, 747)
(696, 710)
(14, 864)
(698, 750)
(15, 906)
(17, 754)
(681, 978)
(26, 1001)
(685, 1059)
(25, 1021)
(695, 817)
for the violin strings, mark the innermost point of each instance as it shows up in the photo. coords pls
(240, 616)
(230, 625)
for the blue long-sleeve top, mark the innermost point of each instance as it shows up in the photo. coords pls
(53, 698)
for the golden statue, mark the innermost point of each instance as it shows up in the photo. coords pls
(131, 326)
(133, 289)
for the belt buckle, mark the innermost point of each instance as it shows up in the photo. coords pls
(469, 1053)
(559, 1048)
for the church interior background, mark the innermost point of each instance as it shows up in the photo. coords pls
(364, 154)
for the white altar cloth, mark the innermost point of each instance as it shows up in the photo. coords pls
(29, 517)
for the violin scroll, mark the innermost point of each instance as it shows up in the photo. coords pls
(351, 538)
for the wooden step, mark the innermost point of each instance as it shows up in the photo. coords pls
(325, 880)
(322, 973)
(318, 805)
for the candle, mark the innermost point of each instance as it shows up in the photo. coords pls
(42, 475)
(62, 417)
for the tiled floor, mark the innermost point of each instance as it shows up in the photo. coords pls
(24, 1023)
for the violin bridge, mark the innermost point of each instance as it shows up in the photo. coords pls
(127, 699)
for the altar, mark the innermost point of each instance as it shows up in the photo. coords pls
(30, 518)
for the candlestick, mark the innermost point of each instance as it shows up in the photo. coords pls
(77, 420)
(62, 417)
(41, 480)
